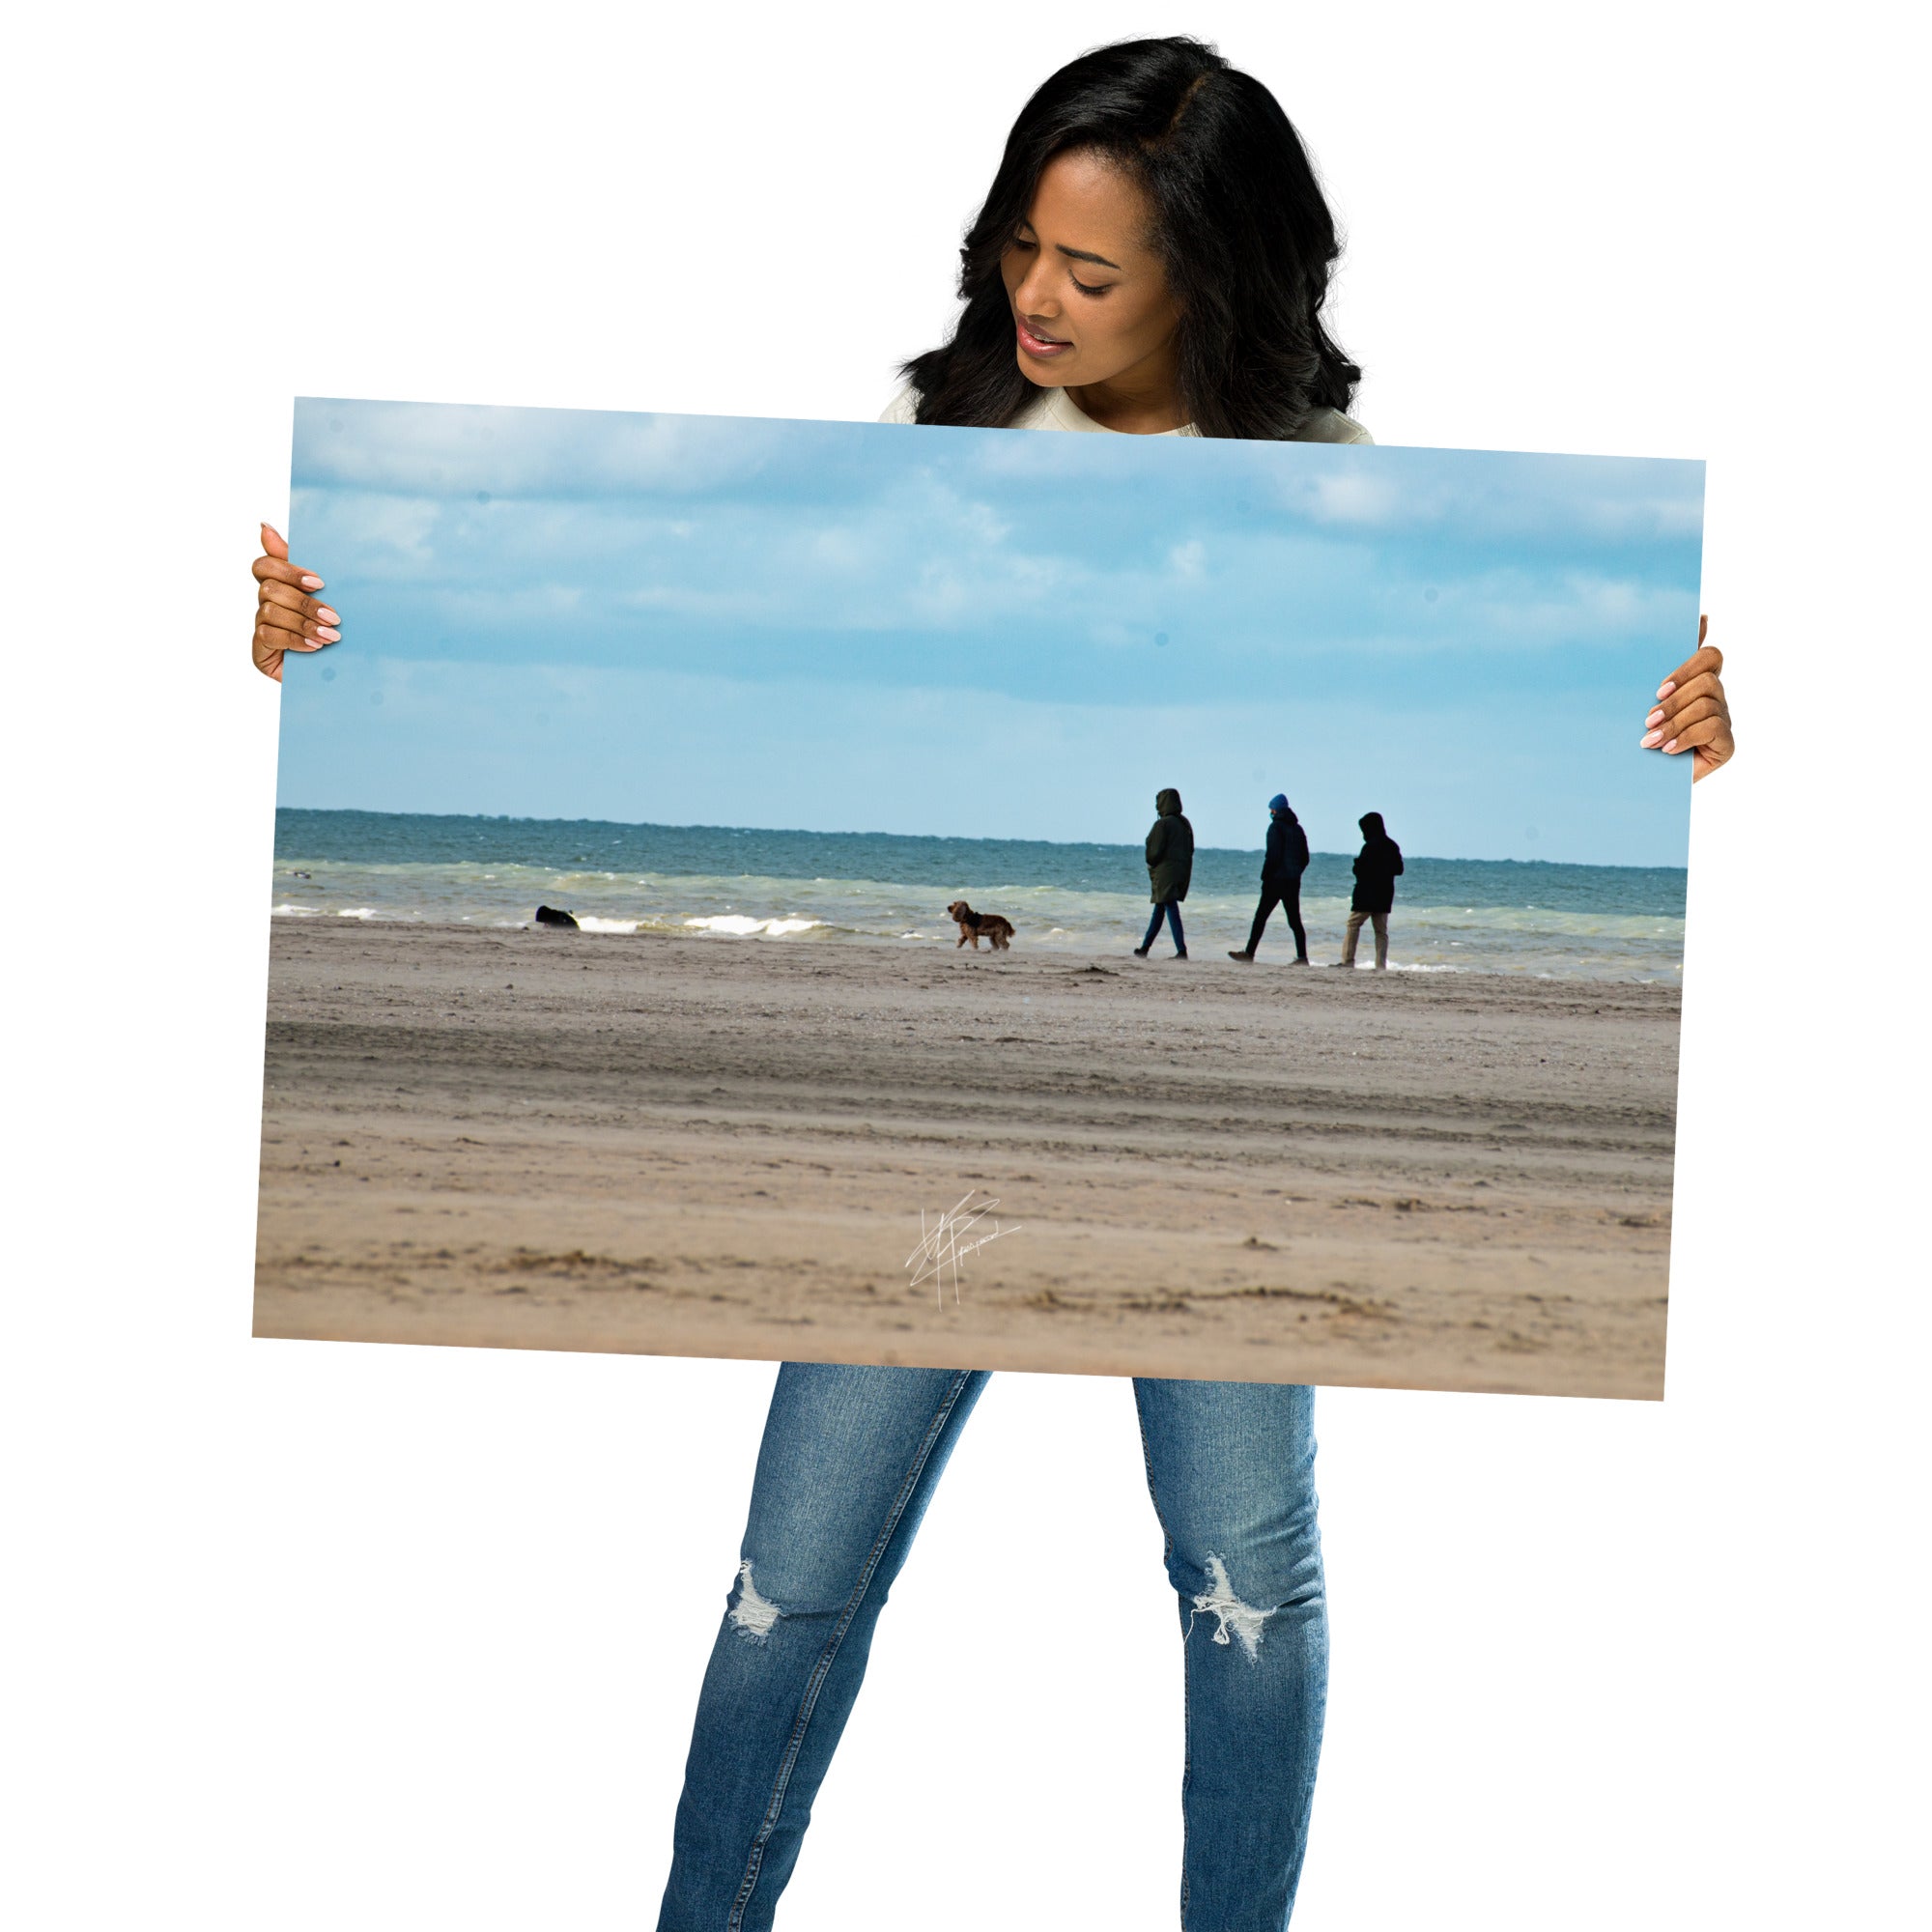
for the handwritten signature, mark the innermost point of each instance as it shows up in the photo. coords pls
(956, 1234)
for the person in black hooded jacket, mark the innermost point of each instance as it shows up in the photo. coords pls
(1282, 866)
(1377, 867)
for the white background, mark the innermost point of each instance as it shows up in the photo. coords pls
(311, 1635)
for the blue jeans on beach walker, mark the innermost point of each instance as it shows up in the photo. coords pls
(1170, 910)
(849, 1461)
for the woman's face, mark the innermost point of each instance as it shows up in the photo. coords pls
(1091, 300)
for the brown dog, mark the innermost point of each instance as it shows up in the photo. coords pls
(973, 924)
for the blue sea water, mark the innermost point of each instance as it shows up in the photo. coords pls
(774, 886)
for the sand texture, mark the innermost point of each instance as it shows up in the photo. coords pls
(723, 1147)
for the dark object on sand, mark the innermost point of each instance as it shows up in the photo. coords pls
(550, 916)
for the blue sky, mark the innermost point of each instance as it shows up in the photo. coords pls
(987, 633)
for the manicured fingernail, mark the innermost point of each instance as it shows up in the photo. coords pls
(328, 616)
(315, 584)
(328, 636)
(1654, 718)
(1666, 688)
(1653, 738)
(1672, 746)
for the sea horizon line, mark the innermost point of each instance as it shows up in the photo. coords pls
(938, 838)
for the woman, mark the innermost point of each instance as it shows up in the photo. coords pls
(1151, 259)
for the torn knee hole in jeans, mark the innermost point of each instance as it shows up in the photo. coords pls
(752, 1616)
(1237, 1620)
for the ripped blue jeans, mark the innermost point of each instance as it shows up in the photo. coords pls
(850, 1458)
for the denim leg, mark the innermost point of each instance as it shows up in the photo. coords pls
(1154, 927)
(849, 1461)
(1232, 1469)
(1173, 919)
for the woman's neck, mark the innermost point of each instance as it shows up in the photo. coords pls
(1144, 400)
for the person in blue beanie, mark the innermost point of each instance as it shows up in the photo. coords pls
(1283, 863)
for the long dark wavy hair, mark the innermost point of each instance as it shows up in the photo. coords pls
(1240, 227)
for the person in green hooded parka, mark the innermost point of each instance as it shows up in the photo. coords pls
(1170, 862)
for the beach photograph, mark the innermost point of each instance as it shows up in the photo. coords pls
(869, 892)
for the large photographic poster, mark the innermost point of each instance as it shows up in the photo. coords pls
(716, 876)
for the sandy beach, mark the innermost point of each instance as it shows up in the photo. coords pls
(716, 1147)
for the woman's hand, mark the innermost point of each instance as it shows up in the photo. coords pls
(287, 618)
(1691, 714)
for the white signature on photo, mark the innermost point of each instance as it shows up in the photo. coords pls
(960, 1231)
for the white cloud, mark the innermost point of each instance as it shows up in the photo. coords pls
(386, 528)
(982, 522)
(1359, 498)
(440, 449)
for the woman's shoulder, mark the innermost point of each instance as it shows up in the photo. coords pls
(1331, 426)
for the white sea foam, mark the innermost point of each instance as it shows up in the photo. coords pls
(590, 923)
(741, 925)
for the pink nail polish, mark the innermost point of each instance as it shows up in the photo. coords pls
(315, 584)
(1672, 746)
(1664, 690)
(328, 616)
(1653, 738)
(1654, 718)
(328, 636)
